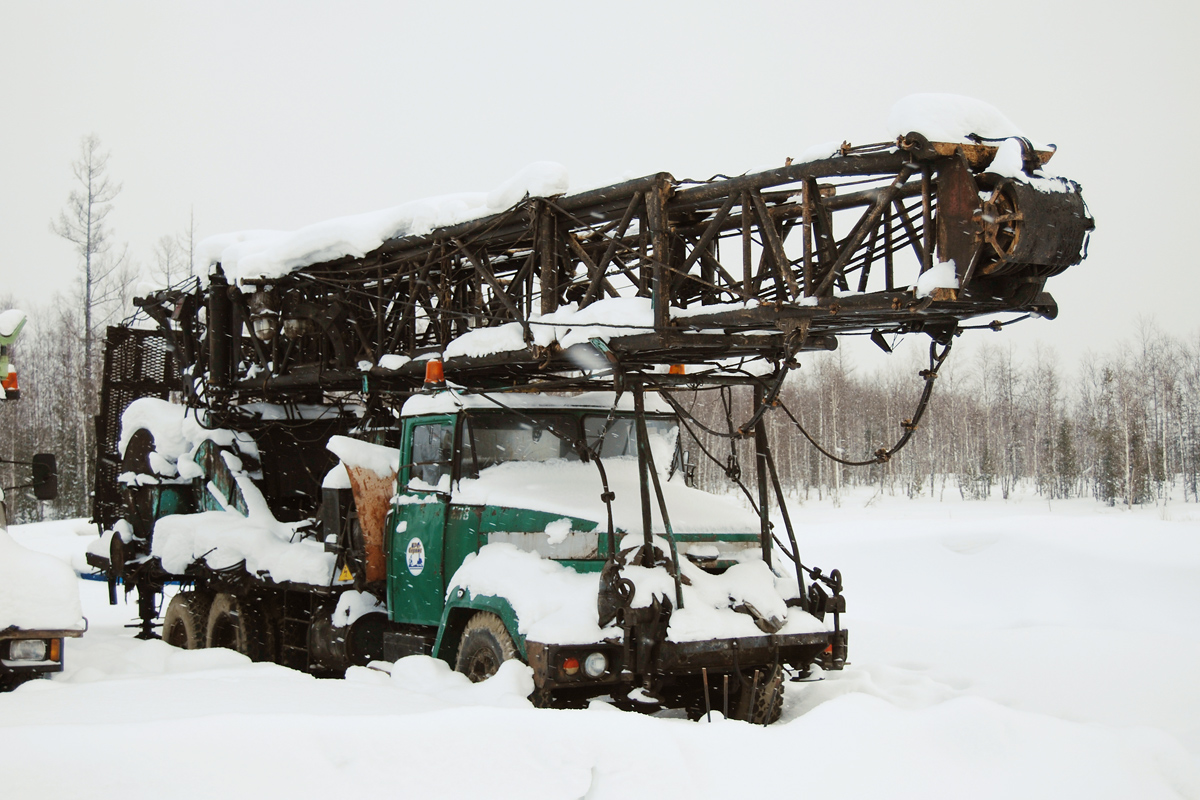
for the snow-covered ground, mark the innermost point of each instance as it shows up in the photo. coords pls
(999, 649)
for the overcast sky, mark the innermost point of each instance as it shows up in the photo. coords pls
(279, 114)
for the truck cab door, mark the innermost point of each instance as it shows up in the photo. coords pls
(417, 523)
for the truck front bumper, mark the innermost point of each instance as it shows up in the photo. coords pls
(557, 667)
(17, 667)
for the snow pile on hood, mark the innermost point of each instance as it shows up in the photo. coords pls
(554, 603)
(271, 254)
(709, 601)
(569, 325)
(37, 591)
(949, 118)
(572, 489)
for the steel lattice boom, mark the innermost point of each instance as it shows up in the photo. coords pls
(755, 267)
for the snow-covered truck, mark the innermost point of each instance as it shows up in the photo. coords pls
(39, 595)
(483, 536)
(457, 427)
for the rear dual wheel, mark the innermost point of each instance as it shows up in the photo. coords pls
(195, 620)
(185, 625)
(237, 623)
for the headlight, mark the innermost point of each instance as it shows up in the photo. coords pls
(27, 650)
(595, 665)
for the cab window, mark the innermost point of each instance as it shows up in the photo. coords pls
(432, 455)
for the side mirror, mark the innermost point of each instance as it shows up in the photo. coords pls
(689, 469)
(45, 476)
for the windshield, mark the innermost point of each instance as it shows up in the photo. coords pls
(619, 439)
(491, 439)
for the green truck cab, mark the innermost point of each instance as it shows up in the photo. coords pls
(514, 529)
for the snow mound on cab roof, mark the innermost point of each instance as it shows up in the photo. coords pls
(452, 401)
(272, 254)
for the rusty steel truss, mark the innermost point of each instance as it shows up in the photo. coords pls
(759, 266)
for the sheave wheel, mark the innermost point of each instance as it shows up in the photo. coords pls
(236, 624)
(484, 646)
(185, 624)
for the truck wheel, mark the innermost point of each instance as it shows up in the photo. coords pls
(10, 682)
(185, 624)
(484, 646)
(767, 702)
(236, 624)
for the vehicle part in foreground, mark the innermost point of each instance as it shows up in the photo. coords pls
(39, 599)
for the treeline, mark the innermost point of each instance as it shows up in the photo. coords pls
(53, 414)
(1122, 427)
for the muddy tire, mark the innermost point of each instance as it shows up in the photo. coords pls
(236, 623)
(484, 646)
(10, 682)
(185, 625)
(763, 706)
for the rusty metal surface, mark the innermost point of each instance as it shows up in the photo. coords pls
(372, 496)
(770, 237)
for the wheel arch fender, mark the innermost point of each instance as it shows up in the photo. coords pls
(461, 605)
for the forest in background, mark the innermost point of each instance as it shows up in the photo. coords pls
(1121, 426)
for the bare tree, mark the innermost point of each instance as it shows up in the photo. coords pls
(169, 261)
(105, 275)
(187, 241)
(173, 255)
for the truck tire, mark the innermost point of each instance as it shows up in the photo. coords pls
(767, 702)
(485, 645)
(185, 624)
(236, 623)
(10, 682)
